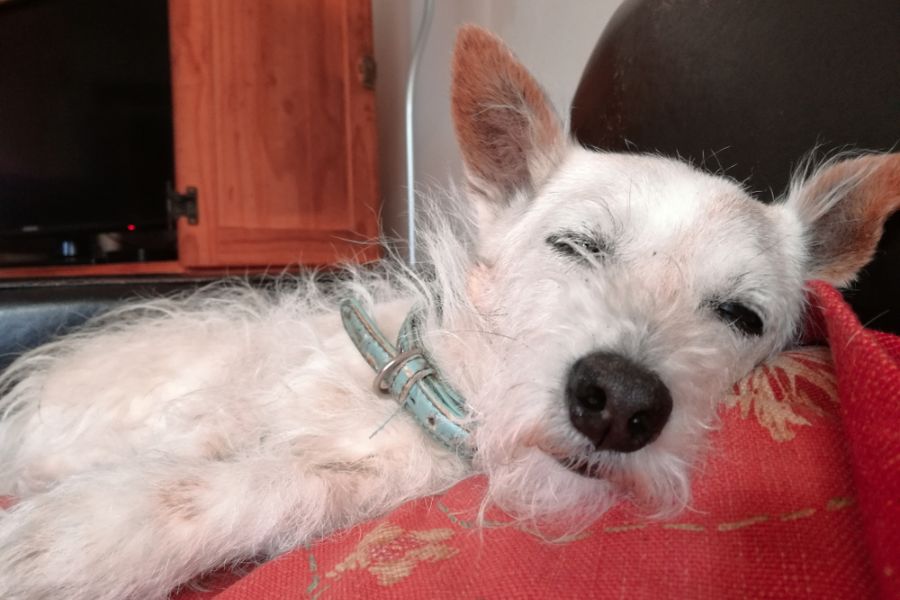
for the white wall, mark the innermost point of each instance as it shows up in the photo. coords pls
(552, 37)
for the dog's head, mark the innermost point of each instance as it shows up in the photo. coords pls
(626, 292)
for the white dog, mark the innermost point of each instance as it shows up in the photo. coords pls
(570, 342)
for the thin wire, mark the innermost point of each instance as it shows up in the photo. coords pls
(421, 38)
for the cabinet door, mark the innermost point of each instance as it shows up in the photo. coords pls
(275, 127)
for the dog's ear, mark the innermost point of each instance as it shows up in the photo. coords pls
(508, 132)
(843, 207)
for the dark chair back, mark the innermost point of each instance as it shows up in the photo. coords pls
(748, 88)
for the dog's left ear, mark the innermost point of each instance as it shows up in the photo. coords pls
(844, 207)
(508, 132)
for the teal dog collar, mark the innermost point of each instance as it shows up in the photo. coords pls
(408, 375)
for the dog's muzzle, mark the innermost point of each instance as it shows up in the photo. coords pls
(616, 403)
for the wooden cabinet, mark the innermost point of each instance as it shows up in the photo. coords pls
(274, 125)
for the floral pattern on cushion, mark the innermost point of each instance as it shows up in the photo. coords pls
(390, 553)
(782, 390)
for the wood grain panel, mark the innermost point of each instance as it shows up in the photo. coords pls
(275, 129)
(141, 268)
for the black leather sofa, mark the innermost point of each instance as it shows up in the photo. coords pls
(35, 311)
(749, 87)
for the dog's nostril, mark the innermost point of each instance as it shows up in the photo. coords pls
(593, 398)
(639, 425)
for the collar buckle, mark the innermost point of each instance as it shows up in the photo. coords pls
(408, 375)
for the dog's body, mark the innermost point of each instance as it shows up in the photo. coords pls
(177, 436)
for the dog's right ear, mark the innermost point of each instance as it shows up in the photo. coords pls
(508, 132)
(843, 208)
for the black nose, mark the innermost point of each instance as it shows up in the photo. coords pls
(618, 404)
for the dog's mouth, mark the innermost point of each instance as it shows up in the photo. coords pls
(580, 466)
(578, 463)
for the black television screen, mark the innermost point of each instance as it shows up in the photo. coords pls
(85, 116)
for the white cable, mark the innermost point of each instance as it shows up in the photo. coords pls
(421, 38)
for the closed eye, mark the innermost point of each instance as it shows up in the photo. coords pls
(740, 317)
(578, 245)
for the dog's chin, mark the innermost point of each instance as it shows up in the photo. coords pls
(533, 485)
(655, 481)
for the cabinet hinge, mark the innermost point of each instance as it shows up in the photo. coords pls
(182, 205)
(368, 71)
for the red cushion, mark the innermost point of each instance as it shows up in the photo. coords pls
(868, 373)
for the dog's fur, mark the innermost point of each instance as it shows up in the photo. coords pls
(176, 436)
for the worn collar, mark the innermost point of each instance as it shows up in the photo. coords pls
(407, 373)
